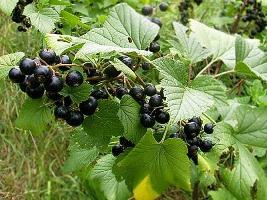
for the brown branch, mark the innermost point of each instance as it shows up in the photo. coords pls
(234, 27)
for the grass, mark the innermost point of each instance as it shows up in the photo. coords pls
(30, 165)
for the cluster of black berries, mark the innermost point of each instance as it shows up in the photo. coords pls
(191, 134)
(184, 9)
(255, 16)
(18, 17)
(122, 146)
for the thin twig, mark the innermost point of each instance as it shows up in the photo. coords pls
(205, 68)
(234, 27)
(224, 73)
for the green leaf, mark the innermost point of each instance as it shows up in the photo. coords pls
(79, 158)
(72, 19)
(112, 188)
(34, 116)
(221, 193)
(7, 6)
(124, 31)
(120, 66)
(43, 19)
(188, 46)
(242, 49)
(104, 123)
(185, 99)
(9, 61)
(129, 116)
(164, 163)
(77, 94)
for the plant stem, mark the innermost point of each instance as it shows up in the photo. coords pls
(207, 116)
(140, 80)
(223, 73)
(205, 68)
(165, 132)
(234, 27)
(149, 61)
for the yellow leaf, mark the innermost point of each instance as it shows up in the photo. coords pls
(144, 190)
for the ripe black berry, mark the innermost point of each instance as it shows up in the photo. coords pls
(16, 75)
(67, 101)
(117, 150)
(127, 61)
(43, 74)
(155, 101)
(61, 112)
(74, 78)
(208, 128)
(205, 145)
(147, 10)
(49, 56)
(88, 107)
(154, 47)
(147, 120)
(111, 72)
(146, 108)
(64, 59)
(145, 66)
(137, 93)
(27, 66)
(23, 85)
(126, 143)
(162, 116)
(191, 129)
(32, 82)
(54, 96)
(21, 29)
(163, 6)
(173, 135)
(55, 85)
(35, 93)
(150, 90)
(156, 21)
(196, 120)
(121, 91)
(157, 38)
(99, 94)
(75, 118)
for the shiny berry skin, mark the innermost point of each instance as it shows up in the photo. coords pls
(147, 10)
(35, 93)
(61, 112)
(49, 56)
(154, 47)
(156, 21)
(150, 90)
(74, 78)
(99, 94)
(191, 130)
(208, 128)
(27, 66)
(88, 107)
(205, 146)
(155, 101)
(16, 76)
(126, 143)
(147, 120)
(163, 6)
(121, 91)
(43, 74)
(137, 93)
(64, 59)
(75, 118)
(55, 84)
(145, 66)
(127, 61)
(162, 117)
(117, 149)
(196, 120)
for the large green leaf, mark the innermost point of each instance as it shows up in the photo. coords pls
(188, 46)
(34, 116)
(129, 116)
(221, 193)
(112, 188)
(104, 123)
(124, 31)
(7, 6)
(43, 19)
(164, 163)
(187, 99)
(9, 61)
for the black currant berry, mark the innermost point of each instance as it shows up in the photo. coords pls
(145, 66)
(198, 2)
(194, 141)
(147, 10)
(208, 128)
(16, 76)
(61, 112)
(146, 108)
(88, 107)
(64, 59)
(111, 72)
(162, 116)
(163, 6)
(53, 96)
(49, 56)
(157, 38)
(147, 120)
(55, 85)
(127, 61)
(75, 118)
(126, 143)
(150, 90)
(74, 78)
(67, 101)
(35, 93)
(117, 150)
(196, 120)
(22, 29)
(137, 93)
(205, 145)
(32, 82)
(156, 21)
(23, 85)
(192, 150)
(155, 101)
(43, 74)
(60, 25)
(154, 47)
(191, 129)
(121, 91)
(173, 135)
(99, 94)
(27, 66)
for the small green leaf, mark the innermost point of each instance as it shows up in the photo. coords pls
(164, 163)
(9, 61)
(72, 19)
(7, 6)
(77, 94)
(34, 116)
(102, 172)
(104, 123)
(221, 193)
(129, 116)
